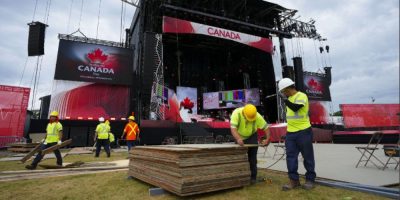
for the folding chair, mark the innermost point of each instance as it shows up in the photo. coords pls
(280, 145)
(219, 139)
(393, 152)
(367, 152)
(260, 141)
(229, 138)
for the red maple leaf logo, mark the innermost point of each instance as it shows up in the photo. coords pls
(97, 56)
(313, 84)
(187, 104)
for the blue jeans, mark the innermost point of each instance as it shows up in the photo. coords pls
(39, 156)
(106, 144)
(300, 142)
(130, 144)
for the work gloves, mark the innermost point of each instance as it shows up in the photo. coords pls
(283, 97)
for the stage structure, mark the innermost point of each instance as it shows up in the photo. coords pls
(182, 61)
(213, 46)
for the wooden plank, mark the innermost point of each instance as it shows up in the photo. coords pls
(19, 149)
(72, 165)
(31, 153)
(55, 147)
(23, 145)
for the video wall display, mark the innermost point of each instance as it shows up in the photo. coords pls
(231, 98)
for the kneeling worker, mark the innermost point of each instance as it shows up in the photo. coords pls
(244, 124)
(53, 137)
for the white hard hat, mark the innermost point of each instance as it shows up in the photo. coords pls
(284, 83)
(101, 119)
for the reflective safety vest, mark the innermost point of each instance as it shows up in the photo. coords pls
(52, 131)
(132, 130)
(297, 121)
(112, 138)
(102, 131)
(244, 127)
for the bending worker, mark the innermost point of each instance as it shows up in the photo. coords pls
(102, 137)
(244, 124)
(131, 131)
(299, 135)
(53, 137)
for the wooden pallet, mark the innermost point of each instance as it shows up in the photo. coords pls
(191, 169)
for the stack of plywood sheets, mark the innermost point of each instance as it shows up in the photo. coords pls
(21, 147)
(192, 168)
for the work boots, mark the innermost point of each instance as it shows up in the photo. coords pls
(308, 185)
(293, 184)
(30, 167)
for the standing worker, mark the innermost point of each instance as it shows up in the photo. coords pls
(244, 124)
(102, 137)
(53, 137)
(299, 135)
(132, 132)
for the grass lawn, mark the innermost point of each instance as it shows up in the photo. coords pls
(16, 165)
(115, 185)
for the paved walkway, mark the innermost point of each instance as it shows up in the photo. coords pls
(337, 162)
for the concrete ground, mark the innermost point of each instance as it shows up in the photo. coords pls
(337, 162)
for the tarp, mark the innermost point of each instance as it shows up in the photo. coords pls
(174, 25)
(319, 112)
(13, 105)
(370, 115)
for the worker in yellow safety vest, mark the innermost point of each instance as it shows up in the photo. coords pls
(102, 137)
(299, 135)
(131, 131)
(245, 121)
(111, 135)
(53, 137)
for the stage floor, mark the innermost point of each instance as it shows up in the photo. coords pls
(337, 162)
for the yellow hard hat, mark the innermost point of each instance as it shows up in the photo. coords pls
(54, 113)
(131, 118)
(107, 122)
(250, 112)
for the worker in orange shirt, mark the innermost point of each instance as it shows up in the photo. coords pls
(131, 131)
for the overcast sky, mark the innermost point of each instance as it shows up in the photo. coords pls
(363, 36)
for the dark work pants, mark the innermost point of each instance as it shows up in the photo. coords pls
(39, 156)
(252, 155)
(106, 144)
(130, 144)
(300, 142)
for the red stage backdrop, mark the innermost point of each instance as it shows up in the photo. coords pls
(370, 115)
(80, 100)
(85, 62)
(174, 25)
(13, 106)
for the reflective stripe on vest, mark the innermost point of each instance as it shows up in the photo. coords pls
(52, 136)
(132, 129)
(296, 114)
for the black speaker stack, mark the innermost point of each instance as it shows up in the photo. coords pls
(36, 37)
